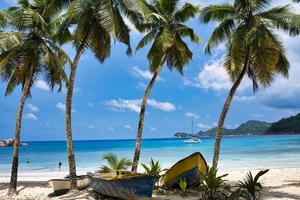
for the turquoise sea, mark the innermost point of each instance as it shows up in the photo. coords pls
(237, 152)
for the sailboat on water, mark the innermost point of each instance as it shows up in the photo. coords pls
(192, 140)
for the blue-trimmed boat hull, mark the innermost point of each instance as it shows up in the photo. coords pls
(124, 188)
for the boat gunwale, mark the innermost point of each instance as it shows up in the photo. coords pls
(119, 178)
(180, 161)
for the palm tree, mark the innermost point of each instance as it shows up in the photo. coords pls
(27, 53)
(252, 48)
(164, 25)
(96, 22)
(114, 163)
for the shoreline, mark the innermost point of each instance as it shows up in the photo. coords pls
(278, 183)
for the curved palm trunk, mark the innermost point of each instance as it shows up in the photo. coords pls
(226, 106)
(138, 143)
(15, 159)
(71, 156)
(68, 117)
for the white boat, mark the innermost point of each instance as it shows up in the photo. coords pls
(192, 141)
(64, 184)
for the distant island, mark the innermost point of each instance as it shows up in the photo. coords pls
(290, 125)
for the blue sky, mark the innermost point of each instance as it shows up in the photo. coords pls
(106, 99)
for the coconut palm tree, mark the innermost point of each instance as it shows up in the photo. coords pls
(163, 22)
(96, 23)
(26, 54)
(252, 48)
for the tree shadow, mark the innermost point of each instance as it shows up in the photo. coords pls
(272, 193)
(25, 184)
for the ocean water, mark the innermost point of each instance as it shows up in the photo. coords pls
(237, 152)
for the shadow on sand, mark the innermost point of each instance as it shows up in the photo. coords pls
(275, 191)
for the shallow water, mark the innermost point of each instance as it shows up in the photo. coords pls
(237, 152)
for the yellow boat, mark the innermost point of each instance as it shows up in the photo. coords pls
(188, 168)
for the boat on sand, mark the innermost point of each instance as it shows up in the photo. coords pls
(124, 186)
(64, 184)
(188, 169)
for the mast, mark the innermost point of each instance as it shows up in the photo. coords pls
(192, 125)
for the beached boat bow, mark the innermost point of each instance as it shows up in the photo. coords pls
(188, 169)
(64, 184)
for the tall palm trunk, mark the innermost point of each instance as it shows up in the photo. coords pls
(137, 151)
(226, 106)
(71, 156)
(15, 159)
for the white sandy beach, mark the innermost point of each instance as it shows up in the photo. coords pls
(280, 183)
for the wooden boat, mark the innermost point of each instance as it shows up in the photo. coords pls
(64, 184)
(124, 186)
(188, 168)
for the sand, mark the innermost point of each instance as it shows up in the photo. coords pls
(283, 184)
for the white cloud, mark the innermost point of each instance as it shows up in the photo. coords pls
(203, 126)
(31, 116)
(164, 106)
(134, 105)
(32, 108)
(111, 128)
(123, 104)
(62, 107)
(190, 114)
(214, 76)
(143, 74)
(41, 85)
(127, 126)
(244, 98)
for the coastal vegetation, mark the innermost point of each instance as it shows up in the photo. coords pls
(290, 125)
(163, 22)
(114, 163)
(252, 48)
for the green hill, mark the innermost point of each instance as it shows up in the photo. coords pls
(249, 127)
(290, 125)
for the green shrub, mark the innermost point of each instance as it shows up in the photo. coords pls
(213, 186)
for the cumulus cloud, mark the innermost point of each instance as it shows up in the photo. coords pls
(31, 116)
(40, 84)
(244, 98)
(214, 76)
(61, 106)
(135, 104)
(143, 74)
(32, 108)
(190, 114)
(164, 106)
